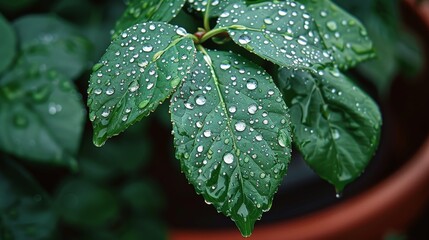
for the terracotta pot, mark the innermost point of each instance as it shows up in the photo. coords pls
(391, 205)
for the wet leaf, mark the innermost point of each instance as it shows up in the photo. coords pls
(140, 69)
(7, 44)
(25, 209)
(336, 125)
(215, 7)
(231, 130)
(41, 115)
(282, 33)
(342, 33)
(139, 11)
(53, 43)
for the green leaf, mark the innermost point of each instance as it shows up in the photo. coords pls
(341, 32)
(140, 69)
(83, 203)
(282, 33)
(7, 44)
(231, 130)
(215, 7)
(41, 115)
(25, 209)
(336, 126)
(50, 41)
(139, 11)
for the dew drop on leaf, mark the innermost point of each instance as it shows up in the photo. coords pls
(244, 39)
(240, 126)
(251, 84)
(200, 100)
(228, 158)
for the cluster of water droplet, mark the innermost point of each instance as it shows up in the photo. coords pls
(142, 67)
(231, 129)
(215, 6)
(286, 34)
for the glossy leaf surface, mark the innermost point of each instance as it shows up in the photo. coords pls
(50, 41)
(139, 11)
(7, 44)
(341, 32)
(231, 130)
(336, 125)
(139, 70)
(41, 115)
(25, 209)
(282, 33)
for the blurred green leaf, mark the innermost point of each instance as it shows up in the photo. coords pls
(148, 228)
(25, 209)
(86, 204)
(41, 115)
(7, 44)
(123, 155)
(142, 196)
(53, 43)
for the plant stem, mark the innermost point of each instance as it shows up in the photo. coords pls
(206, 16)
(212, 33)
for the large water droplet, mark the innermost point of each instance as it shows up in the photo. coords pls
(181, 31)
(244, 39)
(283, 138)
(252, 109)
(225, 65)
(134, 86)
(147, 48)
(228, 158)
(251, 84)
(240, 126)
(110, 91)
(207, 133)
(335, 134)
(331, 25)
(200, 100)
(268, 20)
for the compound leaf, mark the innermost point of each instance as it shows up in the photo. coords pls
(336, 126)
(139, 11)
(282, 33)
(341, 32)
(232, 135)
(41, 115)
(139, 70)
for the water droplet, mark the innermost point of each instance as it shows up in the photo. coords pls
(225, 65)
(331, 25)
(143, 104)
(228, 158)
(268, 21)
(251, 84)
(252, 109)
(124, 35)
(232, 109)
(244, 39)
(262, 175)
(240, 126)
(181, 31)
(259, 138)
(134, 86)
(283, 138)
(200, 149)
(105, 113)
(207, 133)
(200, 100)
(282, 12)
(147, 48)
(189, 105)
(110, 91)
(335, 134)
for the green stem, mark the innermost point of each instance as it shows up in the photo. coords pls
(206, 16)
(212, 33)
